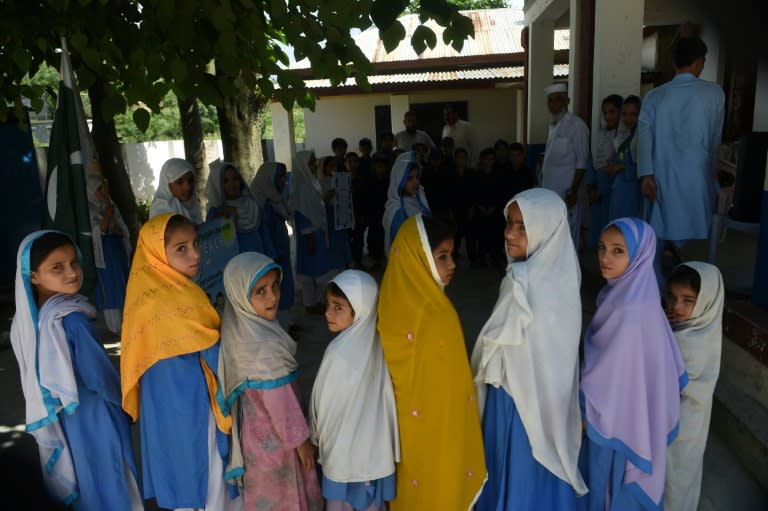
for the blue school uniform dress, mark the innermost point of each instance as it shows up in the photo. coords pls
(175, 460)
(97, 432)
(340, 249)
(626, 199)
(277, 232)
(317, 263)
(518, 481)
(110, 293)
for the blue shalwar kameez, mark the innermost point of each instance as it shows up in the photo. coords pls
(97, 432)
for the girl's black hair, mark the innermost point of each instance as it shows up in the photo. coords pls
(613, 99)
(686, 276)
(632, 100)
(334, 290)
(175, 223)
(44, 245)
(438, 231)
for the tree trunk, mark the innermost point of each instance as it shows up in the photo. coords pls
(241, 120)
(111, 159)
(194, 145)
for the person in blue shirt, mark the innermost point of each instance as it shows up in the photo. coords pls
(679, 133)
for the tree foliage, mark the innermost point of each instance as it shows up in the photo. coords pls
(143, 49)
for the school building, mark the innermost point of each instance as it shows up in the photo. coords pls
(599, 47)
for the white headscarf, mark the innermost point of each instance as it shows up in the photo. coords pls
(412, 205)
(248, 213)
(47, 377)
(306, 192)
(165, 202)
(265, 189)
(255, 352)
(353, 417)
(96, 207)
(530, 344)
(700, 340)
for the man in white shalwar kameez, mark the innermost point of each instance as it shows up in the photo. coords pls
(679, 133)
(566, 157)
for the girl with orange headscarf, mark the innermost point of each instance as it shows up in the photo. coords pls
(442, 463)
(170, 349)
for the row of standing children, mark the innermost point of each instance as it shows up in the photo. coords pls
(533, 409)
(441, 184)
(613, 184)
(628, 429)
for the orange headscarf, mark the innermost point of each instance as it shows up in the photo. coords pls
(442, 460)
(165, 315)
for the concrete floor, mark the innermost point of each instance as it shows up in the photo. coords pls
(726, 486)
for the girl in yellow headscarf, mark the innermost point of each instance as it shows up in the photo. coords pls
(443, 465)
(170, 349)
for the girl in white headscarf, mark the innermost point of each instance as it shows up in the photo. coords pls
(111, 251)
(71, 389)
(405, 196)
(311, 232)
(528, 397)
(271, 455)
(695, 310)
(353, 418)
(229, 196)
(176, 191)
(268, 186)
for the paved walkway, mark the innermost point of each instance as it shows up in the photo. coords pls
(727, 487)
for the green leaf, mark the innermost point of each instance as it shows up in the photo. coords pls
(91, 58)
(422, 37)
(141, 117)
(178, 70)
(165, 9)
(21, 58)
(78, 41)
(392, 36)
(384, 13)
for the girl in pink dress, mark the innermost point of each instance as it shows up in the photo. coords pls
(271, 455)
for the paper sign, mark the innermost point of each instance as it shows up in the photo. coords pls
(344, 215)
(218, 244)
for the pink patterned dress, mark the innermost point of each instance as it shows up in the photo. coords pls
(273, 425)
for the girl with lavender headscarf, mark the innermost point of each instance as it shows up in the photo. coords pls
(631, 379)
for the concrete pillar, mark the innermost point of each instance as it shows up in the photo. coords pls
(283, 135)
(618, 51)
(399, 104)
(540, 65)
(519, 115)
(574, 51)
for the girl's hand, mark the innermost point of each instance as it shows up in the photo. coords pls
(306, 453)
(227, 212)
(310, 243)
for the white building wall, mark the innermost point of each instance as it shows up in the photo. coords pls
(349, 117)
(491, 111)
(145, 160)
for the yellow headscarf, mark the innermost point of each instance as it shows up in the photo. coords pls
(443, 463)
(165, 315)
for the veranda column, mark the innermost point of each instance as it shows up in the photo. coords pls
(283, 135)
(540, 72)
(399, 104)
(618, 51)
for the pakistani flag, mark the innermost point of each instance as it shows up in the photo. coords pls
(66, 196)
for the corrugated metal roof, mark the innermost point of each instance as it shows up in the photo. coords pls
(497, 32)
(499, 74)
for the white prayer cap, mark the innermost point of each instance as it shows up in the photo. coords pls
(556, 87)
